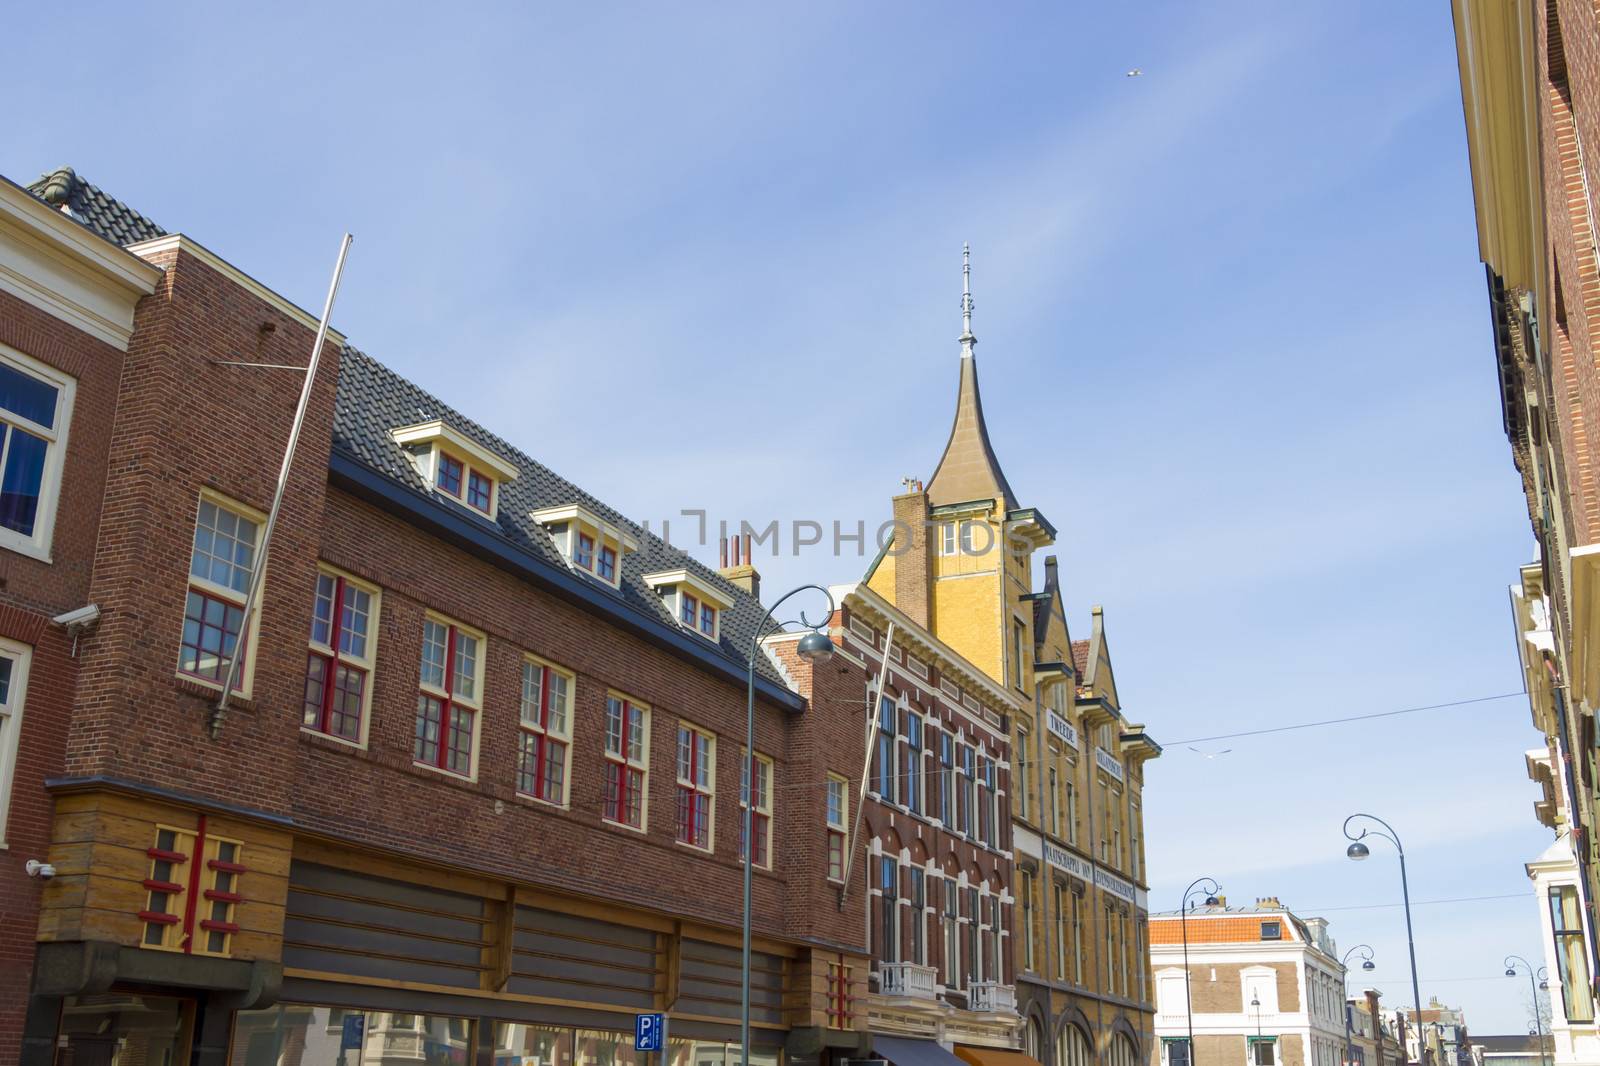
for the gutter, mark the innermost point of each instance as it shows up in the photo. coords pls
(468, 534)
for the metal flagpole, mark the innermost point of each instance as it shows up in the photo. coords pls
(260, 570)
(866, 768)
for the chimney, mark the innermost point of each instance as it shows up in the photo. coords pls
(736, 564)
(1268, 901)
(913, 561)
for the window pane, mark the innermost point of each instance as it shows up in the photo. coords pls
(614, 726)
(560, 697)
(466, 664)
(224, 547)
(532, 695)
(24, 395)
(460, 753)
(430, 713)
(21, 481)
(321, 608)
(478, 491)
(353, 626)
(434, 638)
(532, 1045)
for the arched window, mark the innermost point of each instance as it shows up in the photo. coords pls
(1123, 1053)
(1072, 1047)
(1033, 1039)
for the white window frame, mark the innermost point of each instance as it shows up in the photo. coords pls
(38, 545)
(837, 829)
(21, 658)
(250, 639)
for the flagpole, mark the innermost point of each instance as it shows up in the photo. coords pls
(866, 768)
(259, 572)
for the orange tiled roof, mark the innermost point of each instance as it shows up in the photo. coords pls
(1080, 656)
(1243, 929)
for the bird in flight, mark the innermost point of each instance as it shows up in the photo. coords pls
(1135, 72)
(1210, 754)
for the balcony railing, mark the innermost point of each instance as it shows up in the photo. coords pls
(909, 979)
(993, 997)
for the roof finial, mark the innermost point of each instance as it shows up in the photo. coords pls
(967, 339)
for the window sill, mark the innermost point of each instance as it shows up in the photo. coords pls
(465, 779)
(623, 825)
(343, 742)
(536, 801)
(28, 548)
(703, 850)
(199, 686)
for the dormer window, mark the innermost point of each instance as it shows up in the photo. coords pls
(587, 541)
(693, 601)
(456, 466)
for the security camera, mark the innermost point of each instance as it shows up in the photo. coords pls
(42, 870)
(82, 618)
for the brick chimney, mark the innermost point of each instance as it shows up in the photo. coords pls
(736, 564)
(913, 562)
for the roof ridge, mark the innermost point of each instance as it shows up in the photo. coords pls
(64, 191)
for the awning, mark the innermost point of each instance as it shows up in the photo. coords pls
(903, 1052)
(993, 1056)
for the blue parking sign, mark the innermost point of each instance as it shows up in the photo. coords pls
(355, 1027)
(647, 1032)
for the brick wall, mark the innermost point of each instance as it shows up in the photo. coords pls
(31, 593)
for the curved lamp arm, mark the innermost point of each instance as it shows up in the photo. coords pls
(1200, 882)
(1387, 833)
(805, 619)
(1361, 950)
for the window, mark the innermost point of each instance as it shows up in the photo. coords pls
(164, 907)
(914, 764)
(1078, 943)
(967, 798)
(919, 917)
(546, 731)
(14, 660)
(969, 538)
(1072, 1047)
(761, 810)
(1023, 763)
(35, 405)
(480, 491)
(466, 482)
(606, 563)
(947, 538)
(952, 936)
(1026, 891)
(884, 779)
(988, 936)
(708, 619)
(223, 867)
(696, 774)
(1064, 932)
(838, 824)
(988, 801)
(1271, 930)
(1072, 807)
(974, 969)
(946, 780)
(838, 996)
(220, 566)
(344, 617)
(1176, 1051)
(627, 761)
(449, 479)
(1572, 963)
(1263, 1050)
(1055, 803)
(449, 696)
(888, 909)
(1019, 639)
(583, 553)
(591, 543)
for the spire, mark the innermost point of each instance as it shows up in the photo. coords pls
(967, 339)
(968, 470)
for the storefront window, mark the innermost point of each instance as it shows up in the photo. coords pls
(516, 1044)
(117, 1028)
(292, 1034)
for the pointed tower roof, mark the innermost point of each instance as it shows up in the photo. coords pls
(968, 470)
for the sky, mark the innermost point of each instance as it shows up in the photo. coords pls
(1232, 326)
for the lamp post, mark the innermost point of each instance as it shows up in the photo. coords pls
(1366, 964)
(1255, 1001)
(1537, 979)
(1198, 885)
(815, 647)
(1359, 851)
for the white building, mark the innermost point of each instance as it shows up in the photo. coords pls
(1266, 987)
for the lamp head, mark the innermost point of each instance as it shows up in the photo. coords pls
(1511, 971)
(1544, 986)
(1358, 851)
(1211, 901)
(815, 648)
(1369, 965)
(1255, 1001)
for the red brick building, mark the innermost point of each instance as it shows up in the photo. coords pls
(477, 794)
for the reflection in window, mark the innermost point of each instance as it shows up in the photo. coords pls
(293, 1034)
(1572, 963)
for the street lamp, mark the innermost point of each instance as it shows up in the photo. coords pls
(1255, 1001)
(1198, 885)
(1537, 979)
(1359, 851)
(1366, 964)
(815, 648)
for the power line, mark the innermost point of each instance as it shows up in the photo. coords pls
(1341, 721)
(1414, 903)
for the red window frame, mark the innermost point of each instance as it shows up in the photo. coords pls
(760, 820)
(696, 761)
(479, 486)
(459, 479)
(708, 619)
(452, 473)
(626, 769)
(192, 650)
(333, 661)
(583, 551)
(540, 750)
(688, 609)
(606, 563)
(838, 995)
(452, 709)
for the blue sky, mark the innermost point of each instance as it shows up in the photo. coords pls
(1233, 335)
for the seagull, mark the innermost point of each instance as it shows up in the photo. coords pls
(1135, 72)
(1210, 754)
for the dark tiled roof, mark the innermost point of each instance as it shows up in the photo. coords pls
(101, 214)
(373, 401)
(1080, 656)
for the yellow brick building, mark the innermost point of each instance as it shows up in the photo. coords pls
(962, 565)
